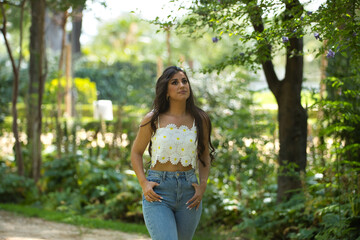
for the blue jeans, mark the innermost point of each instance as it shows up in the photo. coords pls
(170, 219)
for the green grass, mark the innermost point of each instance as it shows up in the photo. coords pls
(82, 221)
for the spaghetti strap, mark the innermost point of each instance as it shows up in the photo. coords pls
(194, 123)
(158, 121)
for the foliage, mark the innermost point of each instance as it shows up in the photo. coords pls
(90, 186)
(84, 88)
(240, 198)
(132, 39)
(5, 93)
(65, 5)
(337, 25)
(313, 215)
(127, 39)
(243, 172)
(12, 11)
(329, 205)
(121, 82)
(342, 108)
(15, 188)
(237, 19)
(339, 125)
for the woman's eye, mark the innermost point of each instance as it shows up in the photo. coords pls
(184, 81)
(174, 83)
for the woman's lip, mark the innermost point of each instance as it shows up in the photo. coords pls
(182, 92)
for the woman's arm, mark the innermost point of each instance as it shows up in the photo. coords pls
(141, 141)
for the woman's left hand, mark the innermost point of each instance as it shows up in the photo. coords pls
(196, 199)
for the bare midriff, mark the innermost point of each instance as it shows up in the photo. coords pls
(168, 166)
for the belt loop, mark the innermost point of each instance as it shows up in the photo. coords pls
(163, 175)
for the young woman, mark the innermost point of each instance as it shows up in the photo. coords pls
(178, 135)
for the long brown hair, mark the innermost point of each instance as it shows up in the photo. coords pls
(161, 105)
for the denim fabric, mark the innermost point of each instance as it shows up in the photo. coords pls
(170, 219)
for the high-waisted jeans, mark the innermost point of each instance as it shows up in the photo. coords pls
(170, 219)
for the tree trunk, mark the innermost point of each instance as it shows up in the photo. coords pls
(320, 115)
(68, 79)
(76, 50)
(159, 66)
(60, 94)
(292, 117)
(36, 86)
(76, 33)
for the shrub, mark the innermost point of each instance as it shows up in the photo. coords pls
(91, 186)
(15, 188)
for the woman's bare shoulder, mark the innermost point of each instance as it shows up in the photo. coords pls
(147, 118)
(149, 115)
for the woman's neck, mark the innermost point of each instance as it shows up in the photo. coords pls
(177, 109)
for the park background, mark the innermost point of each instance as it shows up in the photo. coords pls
(280, 80)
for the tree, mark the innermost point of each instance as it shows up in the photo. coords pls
(37, 75)
(264, 29)
(58, 13)
(276, 26)
(76, 32)
(16, 72)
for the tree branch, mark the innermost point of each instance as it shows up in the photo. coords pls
(22, 6)
(255, 13)
(295, 50)
(3, 30)
(16, 71)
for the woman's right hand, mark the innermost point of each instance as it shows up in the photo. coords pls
(149, 193)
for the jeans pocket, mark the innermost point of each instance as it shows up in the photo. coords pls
(192, 179)
(154, 179)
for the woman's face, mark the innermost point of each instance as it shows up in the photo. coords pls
(178, 87)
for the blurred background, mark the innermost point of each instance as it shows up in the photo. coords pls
(279, 79)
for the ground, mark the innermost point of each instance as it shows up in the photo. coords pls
(16, 227)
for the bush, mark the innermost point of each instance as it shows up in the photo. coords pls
(15, 188)
(313, 214)
(121, 82)
(85, 90)
(91, 186)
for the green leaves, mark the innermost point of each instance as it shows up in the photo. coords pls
(91, 186)
(338, 24)
(131, 83)
(15, 188)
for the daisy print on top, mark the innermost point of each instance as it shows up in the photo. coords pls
(174, 144)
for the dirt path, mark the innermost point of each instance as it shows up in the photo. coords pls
(15, 227)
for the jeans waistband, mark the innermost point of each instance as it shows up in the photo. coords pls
(177, 174)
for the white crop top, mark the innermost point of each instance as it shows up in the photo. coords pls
(174, 144)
